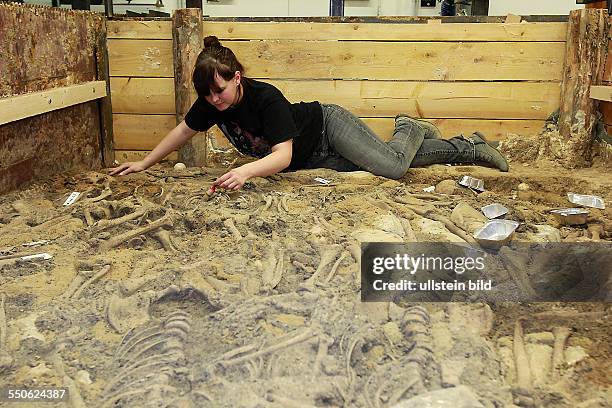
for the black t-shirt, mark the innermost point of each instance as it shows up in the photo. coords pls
(262, 119)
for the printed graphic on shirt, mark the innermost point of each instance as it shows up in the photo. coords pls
(245, 141)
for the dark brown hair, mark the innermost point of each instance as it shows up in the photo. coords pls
(214, 58)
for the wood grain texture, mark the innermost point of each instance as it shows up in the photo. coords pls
(143, 132)
(27, 105)
(587, 46)
(141, 58)
(187, 44)
(524, 32)
(484, 100)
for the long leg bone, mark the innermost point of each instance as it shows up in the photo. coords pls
(558, 357)
(165, 221)
(521, 360)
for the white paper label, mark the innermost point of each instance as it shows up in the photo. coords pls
(71, 198)
(36, 243)
(322, 180)
(34, 257)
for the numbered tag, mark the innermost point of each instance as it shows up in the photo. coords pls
(35, 257)
(71, 198)
(322, 180)
(36, 243)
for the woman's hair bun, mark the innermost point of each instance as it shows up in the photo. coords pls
(211, 42)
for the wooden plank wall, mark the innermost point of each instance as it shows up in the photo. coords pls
(606, 107)
(43, 48)
(497, 78)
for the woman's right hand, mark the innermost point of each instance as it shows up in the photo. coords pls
(127, 168)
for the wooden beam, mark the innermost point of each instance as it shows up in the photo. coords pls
(104, 104)
(372, 60)
(141, 132)
(601, 93)
(187, 45)
(144, 132)
(480, 100)
(144, 30)
(586, 52)
(140, 58)
(414, 61)
(309, 31)
(20, 107)
(466, 32)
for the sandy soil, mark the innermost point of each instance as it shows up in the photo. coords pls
(157, 297)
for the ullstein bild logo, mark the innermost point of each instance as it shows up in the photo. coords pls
(522, 272)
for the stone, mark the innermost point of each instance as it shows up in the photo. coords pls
(575, 354)
(390, 223)
(524, 187)
(468, 217)
(446, 187)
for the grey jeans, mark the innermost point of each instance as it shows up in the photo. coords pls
(348, 144)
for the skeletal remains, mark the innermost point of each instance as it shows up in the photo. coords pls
(292, 319)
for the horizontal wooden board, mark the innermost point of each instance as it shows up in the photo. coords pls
(141, 132)
(123, 156)
(386, 32)
(360, 60)
(483, 100)
(141, 58)
(401, 61)
(144, 132)
(348, 31)
(492, 129)
(601, 93)
(139, 29)
(19, 107)
(142, 95)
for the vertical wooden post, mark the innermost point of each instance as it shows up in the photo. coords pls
(104, 105)
(586, 51)
(188, 42)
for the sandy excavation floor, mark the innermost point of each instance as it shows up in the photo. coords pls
(155, 297)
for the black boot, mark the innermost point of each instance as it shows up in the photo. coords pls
(485, 153)
(431, 131)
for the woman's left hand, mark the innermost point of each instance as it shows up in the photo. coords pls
(233, 179)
